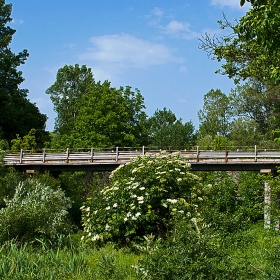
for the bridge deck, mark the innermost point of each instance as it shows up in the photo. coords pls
(109, 159)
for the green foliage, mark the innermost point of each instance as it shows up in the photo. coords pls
(215, 116)
(192, 254)
(34, 210)
(9, 178)
(17, 114)
(71, 83)
(252, 46)
(166, 130)
(80, 185)
(244, 132)
(142, 198)
(43, 261)
(215, 143)
(118, 118)
(235, 200)
(28, 142)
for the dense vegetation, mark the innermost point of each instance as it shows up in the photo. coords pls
(152, 218)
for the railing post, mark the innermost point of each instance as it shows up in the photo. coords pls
(44, 155)
(67, 155)
(197, 153)
(91, 154)
(143, 150)
(256, 153)
(117, 153)
(20, 156)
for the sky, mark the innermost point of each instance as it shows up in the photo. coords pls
(151, 45)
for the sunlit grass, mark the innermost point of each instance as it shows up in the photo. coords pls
(42, 261)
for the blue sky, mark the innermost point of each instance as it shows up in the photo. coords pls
(149, 45)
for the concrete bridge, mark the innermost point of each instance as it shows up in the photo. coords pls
(107, 159)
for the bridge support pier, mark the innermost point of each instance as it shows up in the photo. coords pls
(267, 205)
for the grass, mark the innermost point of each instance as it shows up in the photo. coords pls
(68, 259)
(41, 261)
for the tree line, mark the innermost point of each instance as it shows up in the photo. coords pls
(94, 113)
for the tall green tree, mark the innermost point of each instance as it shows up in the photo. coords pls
(93, 114)
(71, 83)
(167, 130)
(251, 50)
(256, 102)
(112, 117)
(215, 117)
(17, 114)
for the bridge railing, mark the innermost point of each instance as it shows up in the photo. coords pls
(116, 154)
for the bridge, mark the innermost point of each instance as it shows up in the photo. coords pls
(107, 159)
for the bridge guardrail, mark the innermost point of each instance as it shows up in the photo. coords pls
(116, 154)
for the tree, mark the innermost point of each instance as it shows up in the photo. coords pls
(244, 132)
(17, 114)
(258, 103)
(166, 130)
(92, 113)
(251, 49)
(71, 83)
(215, 117)
(112, 117)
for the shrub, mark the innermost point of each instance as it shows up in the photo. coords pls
(35, 210)
(193, 254)
(142, 198)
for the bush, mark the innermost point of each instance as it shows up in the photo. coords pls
(235, 200)
(35, 210)
(194, 253)
(142, 198)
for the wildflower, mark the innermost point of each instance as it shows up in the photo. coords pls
(137, 214)
(107, 227)
(134, 218)
(200, 198)
(172, 201)
(142, 188)
(125, 219)
(115, 205)
(164, 205)
(95, 237)
(140, 198)
(179, 179)
(108, 208)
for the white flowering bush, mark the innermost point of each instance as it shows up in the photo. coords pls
(35, 210)
(143, 197)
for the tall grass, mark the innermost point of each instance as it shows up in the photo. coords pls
(44, 261)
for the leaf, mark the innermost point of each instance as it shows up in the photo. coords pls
(242, 2)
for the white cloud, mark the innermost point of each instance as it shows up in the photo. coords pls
(180, 30)
(157, 12)
(175, 27)
(234, 4)
(126, 51)
(183, 69)
(181, 100)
